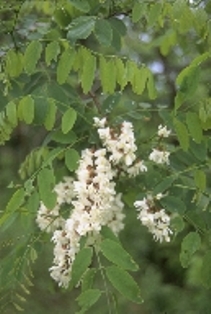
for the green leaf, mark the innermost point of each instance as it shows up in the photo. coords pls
(119, 30)
(65, 65)
(108, 234)
(107, 75)
(11, 113)
(41, 110)
(121, 73)
(177, 223)
(194, 126)
(33, 254)
(88, 278)
(199, 150)
(81, 27)
(51, 115)
(88, 71)
(131, 69)
(103, 32)
(15, 202)
(26, 109)
(190, 244)
(206, 270)
(116, 254)
(196, 220)
(31, 56)
(173, 204)
(116, 42)
(62, 18)
(195, 63)
(164, 185)
(151, 86)
(81, 5)
(138, 77)
(52, 155)
(62, 138)
(182, 134)
(51, 52)
(118, 26)
(88, 298)
(81, 263)
(32, 204)
(154, 13)
(14, 63)
(179, 99)
(190, 81)
(200, 180)
(124, 283)
(71, 159)
(138, 11)
(68, 120)
(20, 297)
(46, 183)
(17, 307)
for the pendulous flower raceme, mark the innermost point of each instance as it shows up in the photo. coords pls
(155, 219)
(160, 155)
(93, 199)
(121, 146)
(96, 204)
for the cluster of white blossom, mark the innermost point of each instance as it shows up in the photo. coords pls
(50, 219)
(158, 155)
(95, 192)
(155, 219)
(94, 200)
(96, 204)
(163, 131)
(121, 146)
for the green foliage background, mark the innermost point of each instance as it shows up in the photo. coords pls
(63, 62)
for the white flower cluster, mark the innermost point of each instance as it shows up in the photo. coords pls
(94, 201)
(121, 146)
(156, 220)
(93, 197)
(163, 131)
(96, 204)
(50, 219)
(160, 156)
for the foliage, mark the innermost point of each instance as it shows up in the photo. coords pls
(64, 63)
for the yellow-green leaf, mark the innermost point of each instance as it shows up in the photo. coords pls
(71, 159)
(68, 120)
(88, 71)
(26, 108)
(65, 65)
(182, 134)
(31, 56)
(51, 115)
(51, 52)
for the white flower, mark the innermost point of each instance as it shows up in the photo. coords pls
(156, 220)
(100, 123)
(120, 145)
(49, 220)
(163, 132)
(159, 196)
(142, 205)
(159, 157)
(135, 170)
